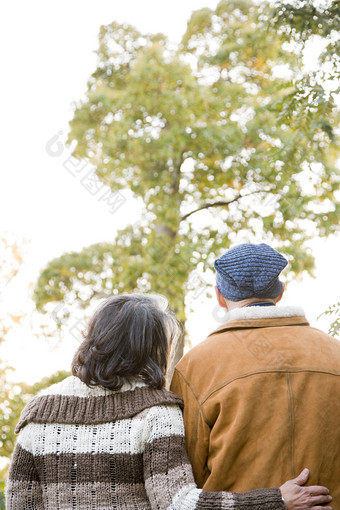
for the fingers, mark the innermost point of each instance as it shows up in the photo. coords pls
(302, 478)
(315, 490)
(319, 500)
(322, 508)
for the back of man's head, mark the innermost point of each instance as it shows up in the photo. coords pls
(250, 271)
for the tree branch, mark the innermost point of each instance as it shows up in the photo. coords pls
(177, 172)
(221, 203)
(99, 295)
(307, 14)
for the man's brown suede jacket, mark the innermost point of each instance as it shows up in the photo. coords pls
(262, 402)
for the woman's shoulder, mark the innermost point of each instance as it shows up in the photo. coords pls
(163, 421)
(72, 402)
(73, 387)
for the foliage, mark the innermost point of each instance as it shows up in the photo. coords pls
(11, 258)
(194, 133)
(334, 311)
(2, 494)
(13, 398)
(313, 100)
(304, 18)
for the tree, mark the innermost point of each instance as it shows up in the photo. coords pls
(192, 131)
(303, 19)
(314, 99)
(2, 493)
(334, 311)
(11, 252)
(13, 396)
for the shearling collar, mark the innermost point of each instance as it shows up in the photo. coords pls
(264, 312)
(261, 317)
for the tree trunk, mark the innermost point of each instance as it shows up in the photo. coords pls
(176, 353)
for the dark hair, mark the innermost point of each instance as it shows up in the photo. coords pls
(128, 337)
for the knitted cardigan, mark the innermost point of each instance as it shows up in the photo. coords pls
(82, 448)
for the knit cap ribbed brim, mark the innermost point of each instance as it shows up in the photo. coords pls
(249, 270)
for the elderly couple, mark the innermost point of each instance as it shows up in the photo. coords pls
(260, 399)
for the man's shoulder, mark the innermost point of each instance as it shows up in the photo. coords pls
(316, 337)
(203, 351)
(285, 327)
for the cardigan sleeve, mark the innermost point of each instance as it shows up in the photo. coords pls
(23, 489)
(168, 476)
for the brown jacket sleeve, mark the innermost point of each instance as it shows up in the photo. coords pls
(197, 431)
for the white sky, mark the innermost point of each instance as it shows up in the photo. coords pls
(47, 57)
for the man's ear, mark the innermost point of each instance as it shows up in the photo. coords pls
(220, 298)
(279, 297)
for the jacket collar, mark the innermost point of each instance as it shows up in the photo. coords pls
(260, 317)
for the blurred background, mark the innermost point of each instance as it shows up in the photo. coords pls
(140, 140)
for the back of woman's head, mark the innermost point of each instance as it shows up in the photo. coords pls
(128, 337)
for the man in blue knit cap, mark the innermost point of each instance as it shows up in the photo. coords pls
(249, 272)
(262, 392)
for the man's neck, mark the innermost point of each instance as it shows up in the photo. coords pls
(248, 302)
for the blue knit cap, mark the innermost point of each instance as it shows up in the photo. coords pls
(249, 270)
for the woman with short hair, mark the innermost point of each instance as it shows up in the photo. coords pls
(111, 437)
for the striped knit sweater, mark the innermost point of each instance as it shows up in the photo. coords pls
(82, 448)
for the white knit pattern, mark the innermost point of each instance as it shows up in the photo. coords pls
(122, 436)
(228, 498)
(187, 497)
(73, 386)
(164, 421)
